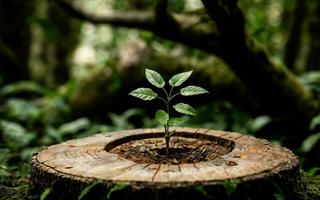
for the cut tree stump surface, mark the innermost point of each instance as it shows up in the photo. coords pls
(90, 159)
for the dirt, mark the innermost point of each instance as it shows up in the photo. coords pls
(182, 150)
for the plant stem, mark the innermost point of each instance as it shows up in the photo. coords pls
(167, 126)
(167, 139)
(174, 95)
(162, 99)
(167, 95)
(167, 130)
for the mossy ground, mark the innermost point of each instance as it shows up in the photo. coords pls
(312, 186)
(14, 192)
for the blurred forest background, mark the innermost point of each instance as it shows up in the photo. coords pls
(67, 66)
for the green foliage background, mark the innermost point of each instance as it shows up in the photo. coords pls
(34, 114)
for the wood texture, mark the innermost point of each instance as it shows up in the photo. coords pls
(70, 166)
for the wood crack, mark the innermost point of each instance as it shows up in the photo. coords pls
(83, 155)
(179, 168)
(238, 137)
(256, 160)
(195, 166)
(156, 172)
(91, 155)
(125, 169)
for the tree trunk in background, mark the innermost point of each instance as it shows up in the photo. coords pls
(274, 87)
(98, 93)
(293, 45)
(278, 90)
(313, 59)
(15, 39)
(58, 50)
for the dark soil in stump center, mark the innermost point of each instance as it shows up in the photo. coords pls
(182, 150)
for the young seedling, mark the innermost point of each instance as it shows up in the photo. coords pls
(162, 116)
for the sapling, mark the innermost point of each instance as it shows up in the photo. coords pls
(164, 116)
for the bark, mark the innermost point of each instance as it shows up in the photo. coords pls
(180, 28)
(211, 73)
(294, 42)
(313, 59)
(253, 168)
(15, 39)
(58, 50)
(277, 89)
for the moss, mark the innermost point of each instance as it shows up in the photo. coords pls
(312, 186)
(13, 193)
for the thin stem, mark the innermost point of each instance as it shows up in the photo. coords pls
(174, 96)
(167, 139)
(168, 107)
(162, 99)
(170, 93)
(167, 135)
(165, 92)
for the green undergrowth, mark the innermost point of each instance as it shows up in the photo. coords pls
(16, 192)
(312, 183)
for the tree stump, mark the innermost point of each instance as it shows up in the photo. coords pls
(244, 167)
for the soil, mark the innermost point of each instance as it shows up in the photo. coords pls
(182, 150)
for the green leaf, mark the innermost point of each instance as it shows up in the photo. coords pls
(21, 110)
(310, 142)
(74, 127)
(162, 117)
(313, 171)
(230, 187)
(24, 87)
(312, 80)
(184, 109)
(45, 193)
(203, 191)
(144, 93)
(180, 78)
(192, 90)
(121, 121)
(54, 111)
(259, 123)
(155, 78)
(14, 135)
(315, 122)
(87, 189)
(176, 121)
(115, 188)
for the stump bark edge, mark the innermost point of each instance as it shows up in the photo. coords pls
(51, 168)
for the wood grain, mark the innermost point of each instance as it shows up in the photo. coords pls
(83, 161)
